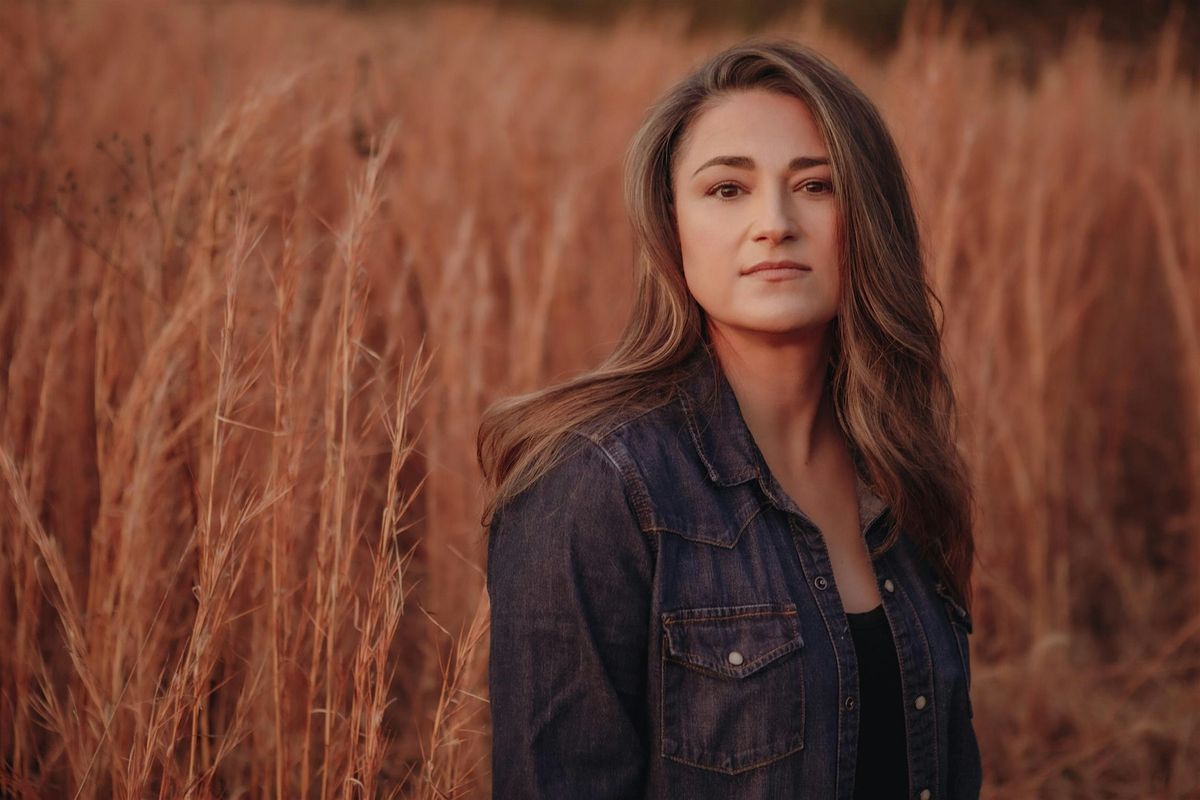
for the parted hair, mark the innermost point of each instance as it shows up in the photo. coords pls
(888, 377)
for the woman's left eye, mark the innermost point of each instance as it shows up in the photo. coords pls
(825, 186)
(719, 190)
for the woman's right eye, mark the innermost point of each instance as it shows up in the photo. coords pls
(720, 190)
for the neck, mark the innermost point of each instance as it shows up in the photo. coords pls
(780, 385)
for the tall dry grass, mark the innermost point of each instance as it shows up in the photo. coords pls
(263, 267)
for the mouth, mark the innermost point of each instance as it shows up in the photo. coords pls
(769, 268)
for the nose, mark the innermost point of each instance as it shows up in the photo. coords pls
(775, 221)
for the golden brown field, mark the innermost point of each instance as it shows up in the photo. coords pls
(262, 268)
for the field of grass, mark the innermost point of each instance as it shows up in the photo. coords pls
(262, 267)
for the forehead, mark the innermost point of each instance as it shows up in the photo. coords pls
(751, 122)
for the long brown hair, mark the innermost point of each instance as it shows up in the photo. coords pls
(890, 385)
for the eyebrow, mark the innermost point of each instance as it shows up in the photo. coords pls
(745, 162)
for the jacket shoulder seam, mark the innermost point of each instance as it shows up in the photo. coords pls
(631, 482)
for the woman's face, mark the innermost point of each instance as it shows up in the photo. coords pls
(752, 184)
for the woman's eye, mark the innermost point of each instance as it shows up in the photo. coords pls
(725, 190)
(728, 191)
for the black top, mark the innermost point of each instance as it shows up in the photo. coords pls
(881, 770)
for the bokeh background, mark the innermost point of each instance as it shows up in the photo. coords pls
(263, 264)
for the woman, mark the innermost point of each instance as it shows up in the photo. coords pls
(734, 559)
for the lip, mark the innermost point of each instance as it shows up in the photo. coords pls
(777, 266)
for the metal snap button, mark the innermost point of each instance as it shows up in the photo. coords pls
(850, 702)
(887, 584)
(735, 658)
(821, 582)
(920, 702)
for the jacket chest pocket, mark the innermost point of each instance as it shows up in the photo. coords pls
(732, 686)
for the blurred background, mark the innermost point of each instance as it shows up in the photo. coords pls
(263, 264)
(1034, 29)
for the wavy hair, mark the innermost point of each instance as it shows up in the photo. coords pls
(889, 381)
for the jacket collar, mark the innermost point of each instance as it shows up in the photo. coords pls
(716, 425)
(727, 448)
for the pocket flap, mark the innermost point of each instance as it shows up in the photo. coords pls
(733, 642)
(957, 612)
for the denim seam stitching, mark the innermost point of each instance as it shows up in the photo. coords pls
(691, 416)
(932, 699)
(635, 494)
(797, 535)
(692, 537)
(662, 742)
(963, 656)
(739, 770)
(669, 619)
(792, 645)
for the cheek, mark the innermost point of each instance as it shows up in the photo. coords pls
(691, 233)
(837, 234)
(701, 260)
(693, 246)
(701, 239)
(699, 273)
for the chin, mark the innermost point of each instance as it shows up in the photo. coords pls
(799, 328)
(788, 322)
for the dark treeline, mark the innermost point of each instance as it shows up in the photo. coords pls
(1031, 29)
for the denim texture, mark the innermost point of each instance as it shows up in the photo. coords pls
(665, 624)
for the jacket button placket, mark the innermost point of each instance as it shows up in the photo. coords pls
(916, 666)
(814, 559)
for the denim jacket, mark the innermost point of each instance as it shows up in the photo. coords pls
(665, 624)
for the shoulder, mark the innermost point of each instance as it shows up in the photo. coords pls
(583, 490)
(658, 458)
(576, 526)
(644, 446)
(609, 466)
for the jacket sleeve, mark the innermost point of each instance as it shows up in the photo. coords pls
(569, 578)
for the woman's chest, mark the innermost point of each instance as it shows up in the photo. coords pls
(753, 669)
